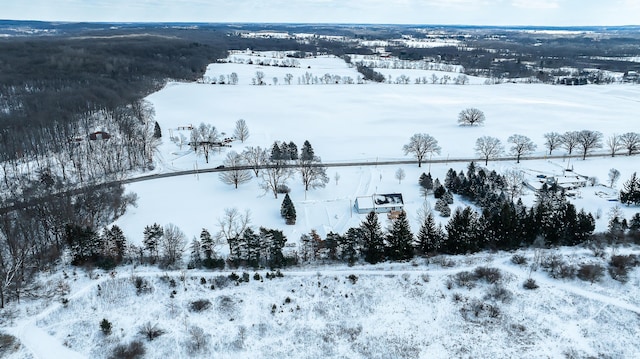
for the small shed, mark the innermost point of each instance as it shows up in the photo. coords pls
(379, 203)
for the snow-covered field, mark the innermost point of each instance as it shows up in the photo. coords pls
(391, 310)
(369, 122)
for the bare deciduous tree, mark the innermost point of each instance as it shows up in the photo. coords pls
(570, 140)
(234, 173)
(400, 175)
(589, 140)
(288, 78)
(313, 173)
(259, 78)
(421, 144)
(553, 140)
(256, 157)
(614, 175)
(203, 139)
(241, 131)
(630, 141)
(275, 175)
(488, 147)
(522, 146)
(513, 182)
(614, 144)
(232, 225)
(471, 116)
(173, 243)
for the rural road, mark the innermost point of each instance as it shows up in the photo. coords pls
(20, 204)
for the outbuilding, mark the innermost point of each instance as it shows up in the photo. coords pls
(379, 203)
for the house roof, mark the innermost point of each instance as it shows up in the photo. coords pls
(380, 201)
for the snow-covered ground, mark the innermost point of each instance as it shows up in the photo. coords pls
(369, 122)
(392, 310)
(410, 310)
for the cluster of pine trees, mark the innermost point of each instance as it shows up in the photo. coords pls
(500, 224)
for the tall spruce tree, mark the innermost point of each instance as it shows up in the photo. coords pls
(195, 258)
(400, 239)
(430, 236)
(152, 236)
(157, 133)
(348, 247)
(462, 232)
(288, 211)
(372, 239)
(630, 193)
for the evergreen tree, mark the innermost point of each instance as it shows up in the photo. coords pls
(276, 153)
(152, 236)
(195, 258)
(449, 180)
(400, 239)
(438, 190)
(372, 239)
(331, 243)
(348, 246)
(442, 207)
(253, 247)
(157, 133)
(430, 237)
(586, 224)
(206, 241)
(630, 193)
(115, 243)
(426, 181)
(292, 151)
(288, 211)
(550, 207)
(569, 219)
(275, 241)
(307, 153)
(85, 244)
(462, 232)
(448, 197)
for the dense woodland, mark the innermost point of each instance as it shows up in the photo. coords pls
(61, 91)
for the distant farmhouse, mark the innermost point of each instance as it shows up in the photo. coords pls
(567, 182)
(379, 203)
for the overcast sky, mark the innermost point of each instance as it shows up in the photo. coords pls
(461, 12)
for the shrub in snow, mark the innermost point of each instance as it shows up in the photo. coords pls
(499, 294)
(490, 275)
(353, 278)
(283, 189)
(199, 305)
(476, 310)
(619, 266)
(530, 284)
(518, 259)
(105, 326)
(591, 272)
(8, 344)
(464, 279)
(142, 285)
(150, 331)
(133, 350)
(557, 267)
(198, 340)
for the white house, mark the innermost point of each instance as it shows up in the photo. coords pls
(379, 203)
